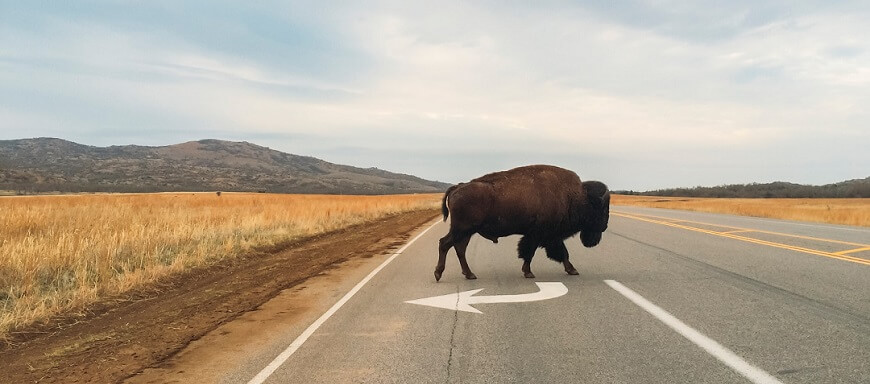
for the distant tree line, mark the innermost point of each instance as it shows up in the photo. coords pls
(847, 189)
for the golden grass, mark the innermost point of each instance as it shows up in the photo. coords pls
(833, 211)
(60, 253)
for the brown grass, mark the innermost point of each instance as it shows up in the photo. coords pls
(833, 211)
(60, 253)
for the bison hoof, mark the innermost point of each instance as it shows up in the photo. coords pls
(470, 276)
(573, 272)
(437, 276)
(529, 275)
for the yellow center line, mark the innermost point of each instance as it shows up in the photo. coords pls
(735, 229)
(749, 239)
(853, 251)
(739, 231)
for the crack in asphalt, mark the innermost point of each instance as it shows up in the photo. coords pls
(452, 337)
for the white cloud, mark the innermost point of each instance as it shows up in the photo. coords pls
(649, 83)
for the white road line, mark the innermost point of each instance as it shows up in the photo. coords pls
(281, 358)
(754, 374)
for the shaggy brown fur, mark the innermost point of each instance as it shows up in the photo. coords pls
(545, 204)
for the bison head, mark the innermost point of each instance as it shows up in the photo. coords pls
(597, 213)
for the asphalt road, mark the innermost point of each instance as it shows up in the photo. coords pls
(668, 296)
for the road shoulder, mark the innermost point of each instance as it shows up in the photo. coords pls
(152, 331)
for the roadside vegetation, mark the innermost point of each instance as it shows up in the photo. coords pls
(60, 253)
(858, 188)
(833, 211)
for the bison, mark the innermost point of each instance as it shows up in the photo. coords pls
(544, 203)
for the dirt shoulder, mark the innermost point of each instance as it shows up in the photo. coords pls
(124, 336)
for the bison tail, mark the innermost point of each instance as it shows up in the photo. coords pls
(444, 209)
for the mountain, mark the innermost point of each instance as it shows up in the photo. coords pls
(48, 164)
(858, 188)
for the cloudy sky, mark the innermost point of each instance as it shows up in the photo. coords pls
(638, 94)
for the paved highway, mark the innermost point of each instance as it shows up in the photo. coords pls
(668, 296)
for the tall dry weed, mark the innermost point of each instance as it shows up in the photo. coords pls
(59, 253)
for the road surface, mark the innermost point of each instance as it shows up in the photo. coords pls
(668, 296)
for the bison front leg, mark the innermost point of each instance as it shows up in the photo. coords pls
(557, 251)
(569, 268)
(526, 251)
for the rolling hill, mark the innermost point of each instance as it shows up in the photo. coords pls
(49, 164)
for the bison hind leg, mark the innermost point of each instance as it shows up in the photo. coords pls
(459, 242)
(460, 246)
(444, 245)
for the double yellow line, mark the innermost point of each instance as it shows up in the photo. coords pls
(731, 234)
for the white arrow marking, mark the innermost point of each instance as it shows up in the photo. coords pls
(462, 301)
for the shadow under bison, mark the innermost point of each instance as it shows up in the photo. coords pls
(544, 203)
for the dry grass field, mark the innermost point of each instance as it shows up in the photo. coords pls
(834, 211)
(60, 253)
